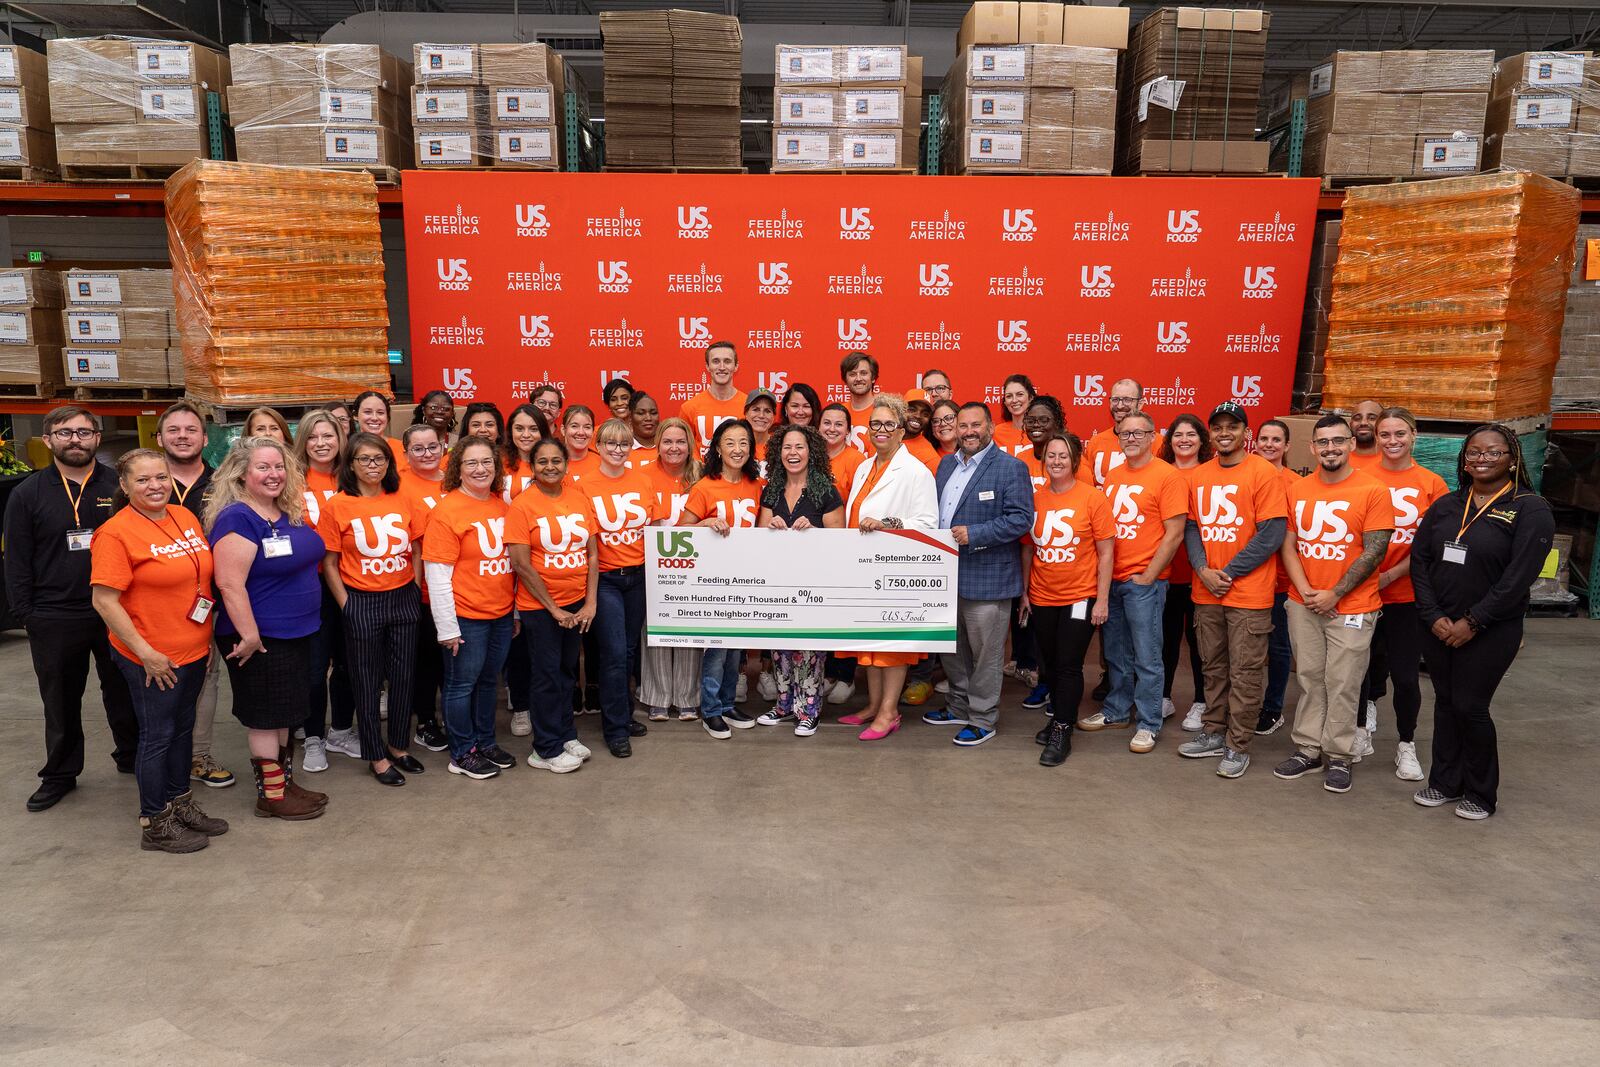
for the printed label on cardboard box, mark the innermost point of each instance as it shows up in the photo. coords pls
(1006, 63)
(350, 146)
(869, 63)
(11, 146)
(805, 65)
(994, 146)
(1539, 112)
(1321, 80)
(446, 61)
(163, 61)
(444, 149)
(1161, 92)
(94, 327)
(156, 102)
(14, 328)
(869, 150)
(444, 105)
(531, 105)
(802, 147)
(526, 146)
(13, 288)
(1554, 68)
(872, 105)
(1008, 106)
(93, 289)
(1448, 153)
(8, 62)
(346, 105)
(10, 105)
(805, 109)
(88, 365)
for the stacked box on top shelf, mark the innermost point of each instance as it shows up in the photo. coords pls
(319, 105)
(120, 329)
(1577, 377)
(1397, 114)
(30, 332)
(1544, 114)
(637, 49)
(1191, 86)
(487, 105)
(1035, 108)
(845, 107)
(27, 135)
(707, 56)
(130, 107)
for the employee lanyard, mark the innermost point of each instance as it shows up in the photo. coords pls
(66, 484)
(1466, 523)
(183, 546)
(182, 491)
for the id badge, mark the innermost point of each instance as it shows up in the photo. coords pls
(1080, 610)
(1354, 622)
(275, 546)
(1455, 552)
(202, 609)
(78, 540)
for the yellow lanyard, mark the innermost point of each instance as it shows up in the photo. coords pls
(77, 523)
(1466, 523)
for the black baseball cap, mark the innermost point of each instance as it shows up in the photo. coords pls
(1230, 409)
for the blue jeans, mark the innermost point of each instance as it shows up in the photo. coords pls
(166, 724)
(471, 682)
(552, 668)
(719, 678)
(619, 620)
(1132, 638)
(1280, 660)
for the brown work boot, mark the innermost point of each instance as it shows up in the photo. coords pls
(163, 832)
(273, 800)
(310, 796)
(188, 813)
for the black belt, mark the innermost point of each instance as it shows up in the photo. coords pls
(637, 568)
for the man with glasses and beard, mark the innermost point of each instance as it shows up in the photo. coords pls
(49, 522)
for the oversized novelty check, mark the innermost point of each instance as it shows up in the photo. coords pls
(835, 590)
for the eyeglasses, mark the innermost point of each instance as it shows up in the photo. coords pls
(1336, 442)
(477, 465)
(1135, 435)
(1123, 401)
(617, 446)
(369, 461)
(948, 420)
(879, 426)
(74, 435)
(425, 450)
(1036, 420)
(1492, 453)
(438, 409)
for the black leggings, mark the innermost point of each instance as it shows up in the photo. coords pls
(1062, 642)
(1397, 655)
(1466, 757)
(1177, 624)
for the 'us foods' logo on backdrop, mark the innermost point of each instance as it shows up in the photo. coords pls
(1016, 224)
(1011, 335)
(1110, 231)
(531, 221)
(1246, 390)
(1183, 227)
(1097, 283)
(694, 223)
(855, 224)
(535, 331)
(933, 279)
(1088, 389)
(853, 333)
(694, 333)
(1172, 338)
(453, 275)
(459, 384)
(772, 279)
(1260, 283)
(613, 276)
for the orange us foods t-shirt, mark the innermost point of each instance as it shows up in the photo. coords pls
(925, 453)
(671, 496)
(1229, 504)
(704, 413)
(579, 469)
(1102, 453)
(373, 536)
(319, 489)
(1366, 463)
(623, 507)
(471, 535)
(1066, 527)
(1286, 478)
(1179, 572)
(844, 469)
(737, 504)
(1141, 502)
(556, 530)
(1328, 522)
(1410, 491)
(159, 568)
(642, 456)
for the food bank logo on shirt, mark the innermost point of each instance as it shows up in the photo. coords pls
(1406, 514)
(1125, 510)
(1260, 283)
(535, 331)
(382, 541)
(1088, 390)
(772, 279)
(694, 333)
(1096, 281)
(933, 279)
(1325, 534)
(1218, 513)
(1016, 224)
(531, 221)
(1172, 338)
(1053, 539)
(454, 277)
(853, 333)
(563, 540)
(1011, 335)
(694, 222)
(492, 544)
(612, 276)
(186, 545)
(622, 518)
(457, 381)
(855, 224)
(1183, 227)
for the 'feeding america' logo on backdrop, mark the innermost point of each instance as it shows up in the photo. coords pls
(940, 229)
(1186, 286)
(535, 331)
(772, 279)
(1261, 343)
(940, 340)
(612, 276)
(1109, 231)
(780, 339)
(864, 284)
(782, 228)
(1097, 283)
(1275, 232)
(619, 336)
(618, 225)
(933, 279)
(855, 224)
(1101, 341)
(533, 281)
(465, 335)
(1172, 338)
(1183, 227)
(1025, 284)
(1016, 224)
(457, 224)
(700, 281)
(531, 221)
(454, 277)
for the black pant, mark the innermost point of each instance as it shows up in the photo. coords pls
(840, 668)
(1062, 642)
(516, 676)
(61, 651)
(380, 640)
(553, 666)
(1396, 655)
(330, 676)
(428, 673)
(1024, 649)
(1466, 758)
(1177, 625)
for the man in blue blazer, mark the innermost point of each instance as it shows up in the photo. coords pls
(986, 502)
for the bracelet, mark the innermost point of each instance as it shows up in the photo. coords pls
(893, 524)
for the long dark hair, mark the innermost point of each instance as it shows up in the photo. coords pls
(819, 471)
(811, 397)
(714, 455)
(1186, 419)
(508, 447)
(433, 394)
(349, 484)
(1022, 380)
(1521, 480)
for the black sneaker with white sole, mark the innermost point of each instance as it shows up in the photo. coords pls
(474, 766)
(1297, 766)
(1336, 779)
(430, 737)
(739, 720)
(717, 727)
(1269, 724)
(499, 757)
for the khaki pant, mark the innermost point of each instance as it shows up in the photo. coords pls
(1330, 660)
(1233, 651)
(205, 708)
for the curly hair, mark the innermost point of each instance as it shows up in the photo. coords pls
(227, 481)
(508, 445)
(452, 471)
(819, 470)
(1192, 421)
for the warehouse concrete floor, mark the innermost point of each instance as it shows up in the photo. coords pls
(773, 900)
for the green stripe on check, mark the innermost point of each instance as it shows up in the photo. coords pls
(934, 633)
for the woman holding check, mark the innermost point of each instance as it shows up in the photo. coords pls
(671, 676)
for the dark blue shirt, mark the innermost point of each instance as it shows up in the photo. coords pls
(285, 591)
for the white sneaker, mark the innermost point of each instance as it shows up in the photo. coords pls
(741, 692)
(841, 692)
(300, 734)
(521, 724)
(1194, 721)
(315, 757)
(1143, 741)
(578, 750)
(942, 685)
(344, 742)
(1362, 747)
(1371, 724)
(1406, 767)
(688, 714)
(767, 686)
(1168, 710)
(561, 764)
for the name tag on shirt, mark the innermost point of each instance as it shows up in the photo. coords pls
(987, 494)
(78, 540)
(1455, 552)
(202, 609)
(275, 546)
(1080, 610)
(1354, 622)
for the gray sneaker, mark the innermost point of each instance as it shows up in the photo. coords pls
(1203, 746)
(1233, 764)
(1336, 779)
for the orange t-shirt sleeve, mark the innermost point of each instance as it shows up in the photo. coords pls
(109, 564)
(518, 531)
(699, 502)
(445, 544)
(1100, 521)
(1379, 513)
(1173, 499)
(1271, 502)
(328, 528)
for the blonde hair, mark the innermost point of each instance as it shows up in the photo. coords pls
(310, 421)
(271, 414)
(227, 482)
(614, 430)
(892, 402)
(692, 467)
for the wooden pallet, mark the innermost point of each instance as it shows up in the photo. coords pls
(854, 170)
(19, 173)
(1334, 182)
(29, 390)
(1211, 174)
(1024, 172)
(117, 172)
(233, 414)
(630, 168)
(1588, 183)
(164, 394)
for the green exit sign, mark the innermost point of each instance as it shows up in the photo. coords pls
(35, 256)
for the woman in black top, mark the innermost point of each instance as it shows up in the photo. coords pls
(1477, 551)
(799, 495)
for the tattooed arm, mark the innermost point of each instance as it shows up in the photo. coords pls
(1374, 543)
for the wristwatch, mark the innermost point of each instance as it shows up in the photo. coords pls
(1473, 624)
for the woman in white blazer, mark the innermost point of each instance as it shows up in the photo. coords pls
(894, 491)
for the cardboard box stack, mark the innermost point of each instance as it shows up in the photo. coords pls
(672, 89)
(707, 57)
(1577, 378)
(1190, 90)
(30, 332)
(637, 48)
(27, 135)
(1397, 114)
(319, 105)
(1544, 114)
(279, 281)
(124, 103)
(120, 329)
(845, 107)
(1308, 374)
(1450, 294)
(487, 105)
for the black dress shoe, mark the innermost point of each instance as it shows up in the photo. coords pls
(408, 763)
(1043, 736)
(127, 768)
(49, 794)
(620, 749)
(637, 728)
(392, 776)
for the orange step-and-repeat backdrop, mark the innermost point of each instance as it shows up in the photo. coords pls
(1194, 286)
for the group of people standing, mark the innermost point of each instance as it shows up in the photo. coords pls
(329, 574)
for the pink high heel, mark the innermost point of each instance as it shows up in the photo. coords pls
(860, 718)
(870, 734)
